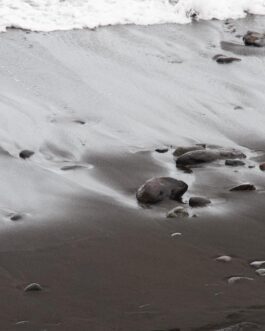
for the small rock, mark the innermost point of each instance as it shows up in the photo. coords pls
(185, 149)
(254, 39)
(231, 154)
(157, 189)
(257, 264)
(16, 217)
(26, 154)
(262, 166)
(80, 122)
(261, 272)
(161, 150)
(197, 157)
(234, 163)
(238, 279)
(199, 202)
(34, 287)
(244, 187)
(176, 234)
(224, 258)
(223, 59)
(251, 166)
(177, 212)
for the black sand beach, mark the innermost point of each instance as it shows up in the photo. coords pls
(94, 106)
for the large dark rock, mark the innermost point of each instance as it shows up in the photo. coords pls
(157, 189)
(244, 187)
(254, 39)
(196, 202)
(185, 149)
(196, 157)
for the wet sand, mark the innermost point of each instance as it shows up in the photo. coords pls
(103, 101)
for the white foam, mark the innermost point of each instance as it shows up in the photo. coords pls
(50, 15)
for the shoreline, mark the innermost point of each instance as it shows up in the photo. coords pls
(94, 106)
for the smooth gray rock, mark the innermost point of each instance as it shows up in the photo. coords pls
(185, 149)
(197, 157)
(199, 202)
(254, 39)
(157, 189)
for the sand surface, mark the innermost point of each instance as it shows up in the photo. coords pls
(93, 106)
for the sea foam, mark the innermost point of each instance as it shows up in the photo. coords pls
(50, 15)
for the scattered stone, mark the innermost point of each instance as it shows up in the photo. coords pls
(254, 39)
(177, 212)
(26, 154)
(182, 150)
(199, 202)
(16, 217)
(231, 154)
(176, 234)
(234, 163)
(224, 258)
(238, 279)
(157, 189)
(262, 166)
(261, 272)
(223, 59)
(161, 150)
(72, 167)
(197, 157)
(34, 287)
(80, 122)
(238, 108)
(257, 264)
(244, 187)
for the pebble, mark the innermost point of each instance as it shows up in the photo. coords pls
(177, 212)
(33, 287)
(262, 166)
(223, 59)
(261, 272)
(257, 264)
(199, 202)
(25, 154)
(176, 234)
(16, 217)
(237, 279)
(224, 258)
(161, 150)
(244, 187)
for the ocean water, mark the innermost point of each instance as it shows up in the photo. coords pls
(50, 15)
